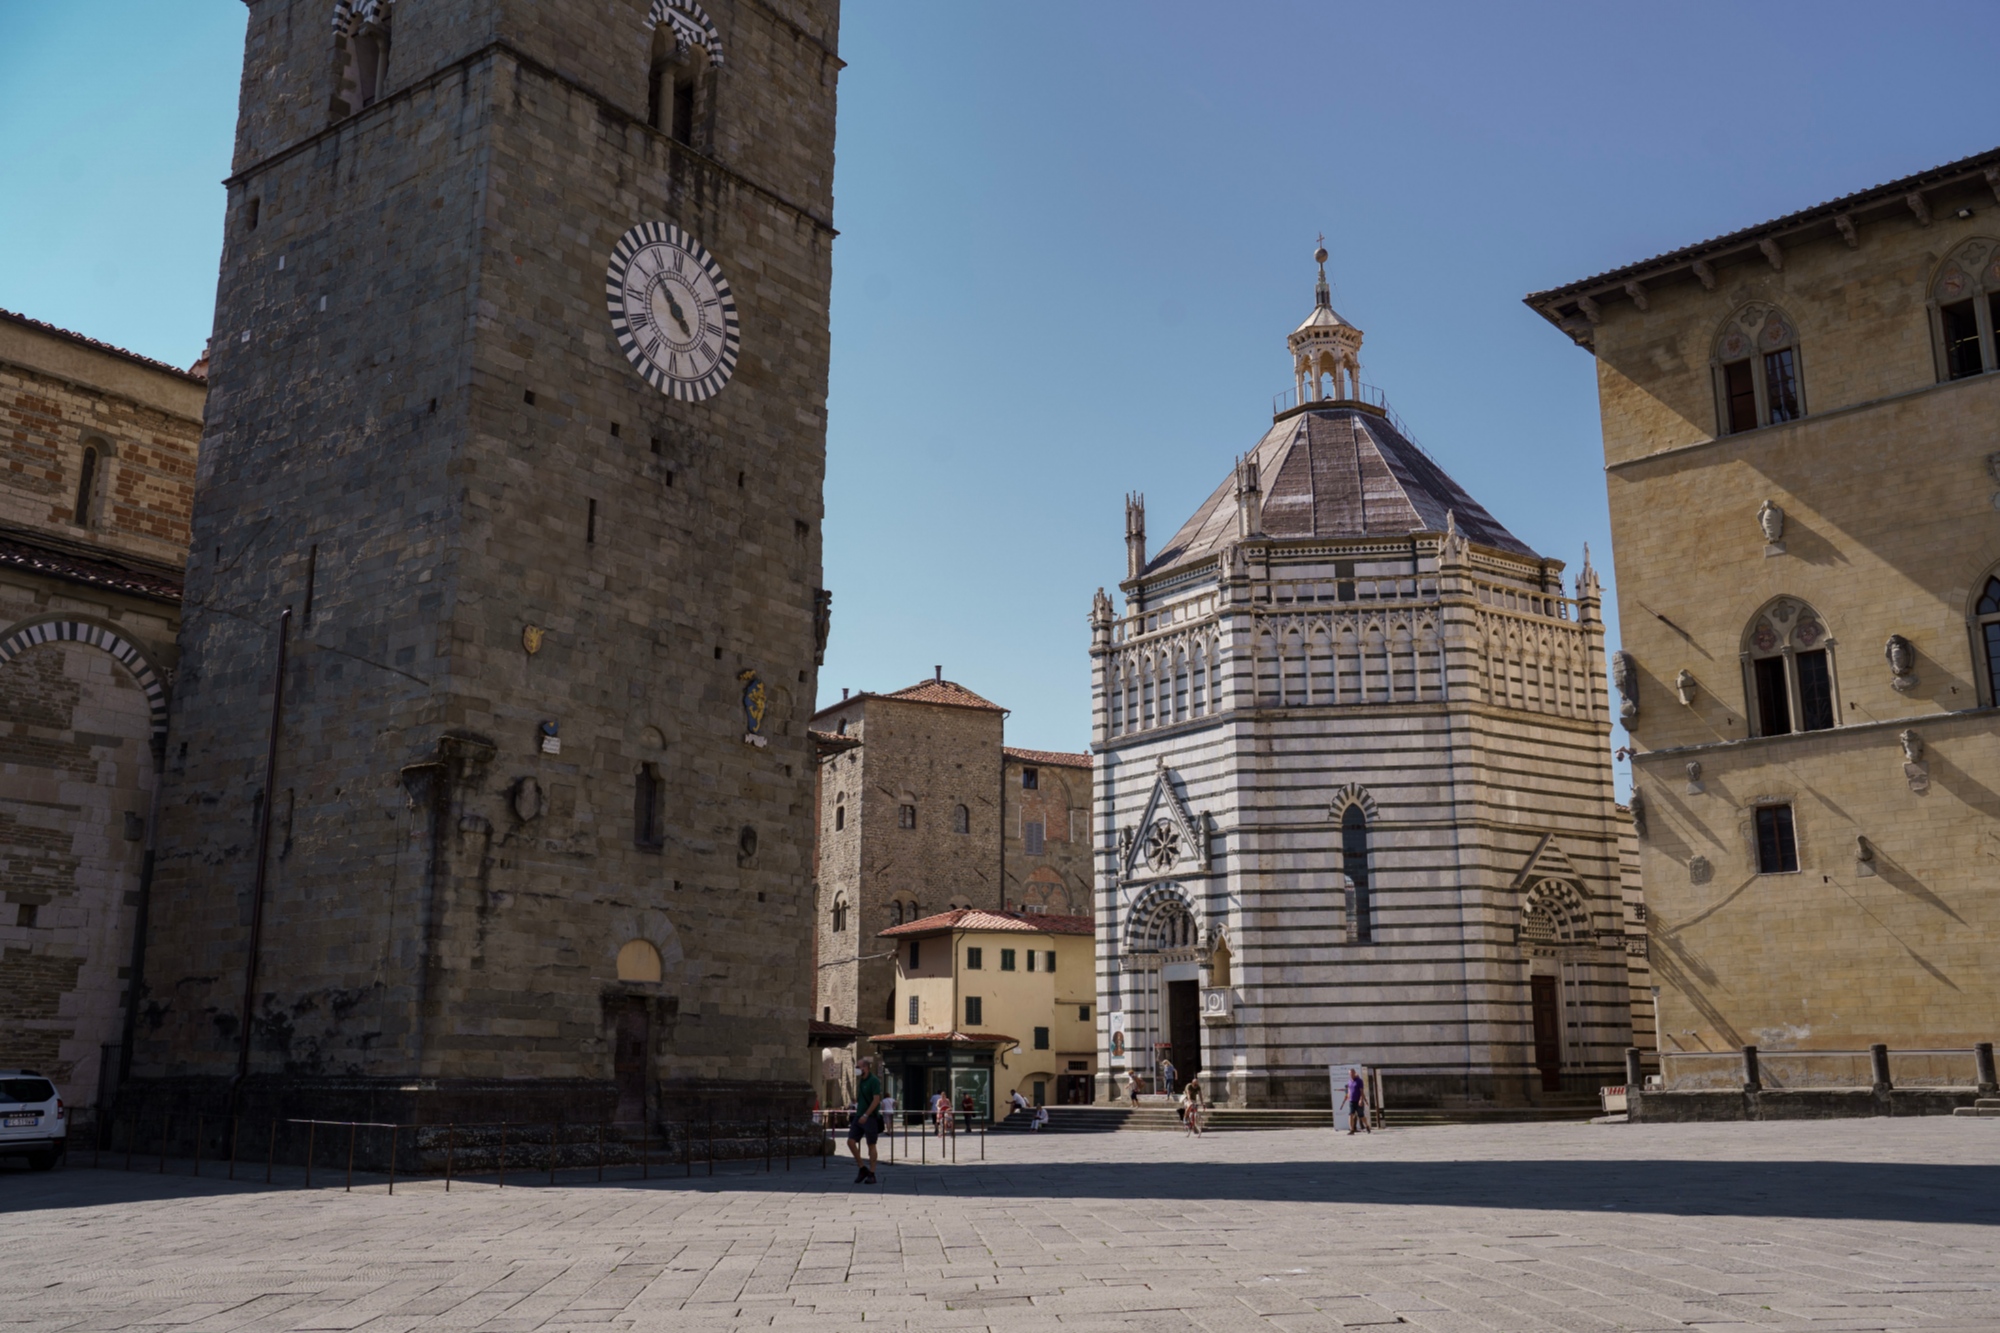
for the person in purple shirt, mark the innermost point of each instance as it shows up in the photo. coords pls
(1357, 1107)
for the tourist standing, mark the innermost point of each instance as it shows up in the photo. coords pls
(1191, 1108)
(867, 1121)
(1167, 1072)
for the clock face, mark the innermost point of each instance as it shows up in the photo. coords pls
(671, 311)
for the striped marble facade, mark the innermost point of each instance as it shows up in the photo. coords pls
(1296, 654)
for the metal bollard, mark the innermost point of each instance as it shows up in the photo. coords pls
(552, 1154)
(1751, 1083)
(600, 1152)
(197, 1144)
(450, 1150)
(1982, 1061)
(503, 1155)
(350, 1156)
(312, 1130)
(687, 1146)
(234, 1126)
(767, 1143)
(165, 1120)
(1878, 1063)
(271, 1152)
(1634, 1079)
(711, 1140)
(392, 1158)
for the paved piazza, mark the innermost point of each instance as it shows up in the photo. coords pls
(1840, 1225)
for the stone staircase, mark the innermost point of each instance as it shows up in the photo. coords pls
(1984, 1106)
(1158, 1114)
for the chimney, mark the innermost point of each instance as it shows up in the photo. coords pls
(937, 673)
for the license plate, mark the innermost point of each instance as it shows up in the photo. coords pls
(14, 1121)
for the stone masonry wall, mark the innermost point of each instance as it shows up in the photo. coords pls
(1059, 878)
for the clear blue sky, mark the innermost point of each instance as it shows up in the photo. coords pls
(1074, 236)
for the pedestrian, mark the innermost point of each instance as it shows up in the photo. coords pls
(1357, 1103)
(938, 1102)
(945, 1125)
(1134, 1083)
(1191, 1108)
(1041, 1120)
(1020, 1103)
(1167, 1072)
(867, 1120)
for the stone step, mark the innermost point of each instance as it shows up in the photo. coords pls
(1984, 1108)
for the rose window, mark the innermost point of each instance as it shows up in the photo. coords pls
(1163, 845)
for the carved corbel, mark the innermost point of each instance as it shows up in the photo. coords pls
(1844, 224)
(1993, 182)
(1772, 253)
(1589, 309)
(1638, 809)
(1706, 273)
(1638, 295)
(1686, 688)
(1625, 675)
(1919, 206)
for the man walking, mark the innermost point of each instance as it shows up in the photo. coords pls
(1357, 1104)
(867, 1120)
(1167, 1074)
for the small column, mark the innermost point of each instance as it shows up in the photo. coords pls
(1878, 1064)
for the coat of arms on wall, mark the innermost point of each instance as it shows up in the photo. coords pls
(756, 701)
(1169, 840)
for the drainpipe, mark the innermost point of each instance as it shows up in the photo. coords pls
(263, 856)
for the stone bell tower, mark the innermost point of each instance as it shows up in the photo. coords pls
(488, 782)
(1326, 349)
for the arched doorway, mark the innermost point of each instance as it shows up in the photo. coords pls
(1554, 922)
(1164, 942)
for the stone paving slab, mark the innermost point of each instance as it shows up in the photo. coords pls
(1847, 1226)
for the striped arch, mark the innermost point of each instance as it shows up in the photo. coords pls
(1159, 907)
(690, 25)
(1352, 794)
(97, 636)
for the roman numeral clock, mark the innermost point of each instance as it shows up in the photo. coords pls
(672, 311)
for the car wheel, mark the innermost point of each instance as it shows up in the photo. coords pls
(41, 1161)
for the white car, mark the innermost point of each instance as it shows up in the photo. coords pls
(34, 1123)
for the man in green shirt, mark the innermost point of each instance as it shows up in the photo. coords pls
(867, 1119)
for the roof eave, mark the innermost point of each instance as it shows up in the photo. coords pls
(1569, 307)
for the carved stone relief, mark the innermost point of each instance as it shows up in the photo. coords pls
(1902, 658)
(1771, 521)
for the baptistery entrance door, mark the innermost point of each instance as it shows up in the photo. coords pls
(628, 1060)
(1184, 1029)
(1545, 1000)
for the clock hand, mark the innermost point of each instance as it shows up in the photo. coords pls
(675, 306)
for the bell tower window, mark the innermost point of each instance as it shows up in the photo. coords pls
(361, 54)
(1987, 621)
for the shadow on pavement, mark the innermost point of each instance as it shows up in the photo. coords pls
(1881, 1191)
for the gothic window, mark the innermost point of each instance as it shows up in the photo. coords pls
(674, 85)
(1987, 622)
(839, 913)
(840, 812)
(1777, 843)
(361, 54)
(896, 912)
(1757, 373)
(961, 819)
(906, 815)
(1146, 716)
(1354, 864)
(1788, 662)
(648, 798)
(1198, 683)
(1965, 307)
(1032, 833)
(86, 484)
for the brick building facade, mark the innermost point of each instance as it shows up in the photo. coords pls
(923, 809)
(97, 463)
(540, 828)
(1802, 441)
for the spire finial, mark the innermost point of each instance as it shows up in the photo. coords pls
(1321, 296)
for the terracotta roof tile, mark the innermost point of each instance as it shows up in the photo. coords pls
(1053, 758)
(977, 918)
(18, 551)
(147, 361)
(943, 692)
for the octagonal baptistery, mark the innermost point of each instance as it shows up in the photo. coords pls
(1355, 804)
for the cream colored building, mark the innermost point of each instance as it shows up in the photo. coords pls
(992, 1003)
(1802, 444)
